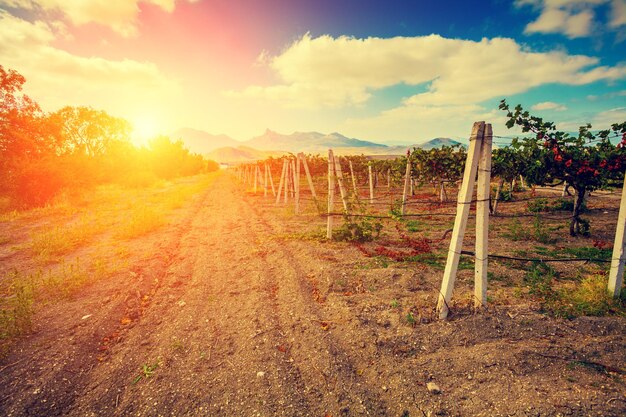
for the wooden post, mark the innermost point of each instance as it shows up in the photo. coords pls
(281, 184)
(256, 176)
(564, 189)
(269, 174)
(331, 193)
(308, 176)
(460, 222)
(498, 191)
(521, 181)
(297, 185)
(287, 181)
(389, 179)
(616, 274)
(482, 219)
(369, 171)
(342, 189)
(407, 180)
(265, 180)
(356, 191)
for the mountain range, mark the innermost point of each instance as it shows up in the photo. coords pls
(225, 149)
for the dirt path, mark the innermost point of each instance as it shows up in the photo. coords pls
(228, 319)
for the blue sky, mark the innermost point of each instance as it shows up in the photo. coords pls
(392, 71)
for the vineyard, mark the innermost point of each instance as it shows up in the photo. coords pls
(407, 209)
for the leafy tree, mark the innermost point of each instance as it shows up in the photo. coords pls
(29, 140)
(587, 161)
(439, 165)
(91, 132)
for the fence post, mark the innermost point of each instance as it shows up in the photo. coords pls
(356, 191)
(288, 179)
(616, 275)
(482, 218)
(281, 184)
(269, 174)
(460, 221)
(407, 179)
(265, 179)
(297, 184)
(342, 190)
(331, 194)
(369, 171)
(308, 176)
(256, 176)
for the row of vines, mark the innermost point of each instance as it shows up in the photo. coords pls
(542, 182)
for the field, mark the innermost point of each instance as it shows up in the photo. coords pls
(199, 297)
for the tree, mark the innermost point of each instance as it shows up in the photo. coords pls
(29, 140)
(587, 161)
(439, 165)
(90, 132)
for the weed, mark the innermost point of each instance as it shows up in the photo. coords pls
(55, 241)
(394, 304)
(540, 232)
(589, 298)
(504, 279)
(16, 310)
(148, 370)
(516, 231)
(559, 204)
(431, 259)
(539, 281)
(363, 229)
(414, 226)
(588, 252)
(64, 281)
(142, 220)
(410, 319)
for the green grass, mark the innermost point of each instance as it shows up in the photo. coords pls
(54, 241)
(142, 220)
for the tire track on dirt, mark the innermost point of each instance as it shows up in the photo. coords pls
(328, 369)
(210, 327)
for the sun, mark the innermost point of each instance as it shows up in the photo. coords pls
(144, 129)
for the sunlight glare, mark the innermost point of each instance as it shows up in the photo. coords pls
(144, 129)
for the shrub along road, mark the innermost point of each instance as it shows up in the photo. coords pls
(230, 315)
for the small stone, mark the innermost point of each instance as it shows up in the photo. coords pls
(181, 303)
(260, 374)
(85, 317)
(433, 388)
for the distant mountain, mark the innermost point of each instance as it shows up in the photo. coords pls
(198, 141)
(230, 154)
(438, 143)
(226, 149)
(310, 142)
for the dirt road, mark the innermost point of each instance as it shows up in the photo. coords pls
(231, 317)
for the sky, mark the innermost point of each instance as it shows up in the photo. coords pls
(393, 72)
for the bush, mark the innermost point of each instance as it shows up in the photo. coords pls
(363, 229)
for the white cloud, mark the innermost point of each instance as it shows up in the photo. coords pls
(560, 21)
(549, 105)
(119, 15)
(618, 13)
(327, 71)
(605, 119)
(573, 18)
(56, 78)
